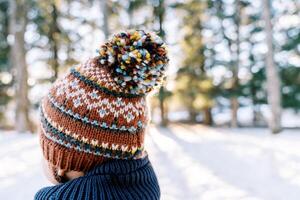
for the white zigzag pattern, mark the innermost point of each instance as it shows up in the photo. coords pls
(90, 70)
(104, 106)
(92, 141)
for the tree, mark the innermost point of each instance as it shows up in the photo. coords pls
(48, 18)
(131, 7)
(104, 10)
(231, 86)
(194, 85)
(289, 70)
(5, 72)
(17, 23)
(53, 35)
(273, 81)
(159, 16)
(235, 67)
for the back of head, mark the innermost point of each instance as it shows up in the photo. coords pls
(98, 111)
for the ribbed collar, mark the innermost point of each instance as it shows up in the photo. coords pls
(116, 179)
(119, 166)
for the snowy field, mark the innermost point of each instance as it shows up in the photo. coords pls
(192, 163)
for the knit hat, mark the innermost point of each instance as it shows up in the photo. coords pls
(98, 111)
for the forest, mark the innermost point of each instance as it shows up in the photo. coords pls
(232, 84)
(233, 63)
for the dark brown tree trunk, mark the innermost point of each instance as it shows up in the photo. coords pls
(55, 60)
(53, 36)
(208, 120)
(162, 107)
(159, 12)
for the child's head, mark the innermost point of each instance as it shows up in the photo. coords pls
(98, 111)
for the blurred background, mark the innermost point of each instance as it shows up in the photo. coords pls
(233, 84)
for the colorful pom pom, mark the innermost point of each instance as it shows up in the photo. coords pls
(137, 59)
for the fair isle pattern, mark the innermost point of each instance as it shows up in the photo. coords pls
(98, 111)
(99, 75)
(50, 125)
(68, 123)
(104, 125)
(83, 145)
(96, 123)
(92, 106)
(81, 119)
(93, 100)
(95, 85)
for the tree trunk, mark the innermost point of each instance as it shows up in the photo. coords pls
(130, 19)
(255, 109)
(273, 81)
(234, 99)
(208, 120)
(234, 109)
(53, 34)
(163, 114)
(160, 12)
(193, 115)
(105, 27)
(55, 60)
(17, 25)
(257, 117)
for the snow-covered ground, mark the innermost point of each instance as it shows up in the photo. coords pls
(192, 162)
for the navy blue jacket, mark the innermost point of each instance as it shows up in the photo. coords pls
(113, 180)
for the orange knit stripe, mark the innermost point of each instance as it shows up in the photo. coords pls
(68, 159)
(137, 103)
(68, 124)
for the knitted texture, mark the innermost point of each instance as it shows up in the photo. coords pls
(118, 180)
(98, 111)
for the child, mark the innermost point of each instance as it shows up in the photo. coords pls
(93, 123)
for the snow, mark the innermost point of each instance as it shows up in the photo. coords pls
(290, 118)
(192, 162)
(196, 162)
(20, 169)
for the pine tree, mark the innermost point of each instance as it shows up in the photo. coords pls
(5, 72)
(159, 16)
(48, 19)
(194, 86)
(254, 88)
(290, 71)
(232, 85)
